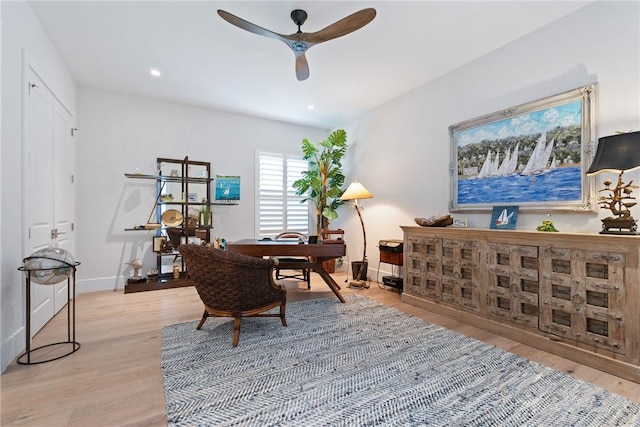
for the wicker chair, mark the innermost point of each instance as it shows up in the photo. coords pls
(304, 273)
(233, 285)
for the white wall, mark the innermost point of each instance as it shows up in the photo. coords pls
(119, 134)
(21, 32)
(400, 151)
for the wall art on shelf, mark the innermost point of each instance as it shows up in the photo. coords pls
(460, 222)
(159, 243)
(534, 155)
(227, 189)
(504, 218)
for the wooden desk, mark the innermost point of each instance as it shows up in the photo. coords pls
(317, 253)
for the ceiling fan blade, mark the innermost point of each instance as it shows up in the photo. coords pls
(300, 42)
(342, 27)
(248, 26)
(302, 67)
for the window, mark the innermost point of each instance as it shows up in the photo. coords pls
(279, 208)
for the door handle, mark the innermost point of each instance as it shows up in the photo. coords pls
(55, 233)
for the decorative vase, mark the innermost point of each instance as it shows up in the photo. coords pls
(205, 219)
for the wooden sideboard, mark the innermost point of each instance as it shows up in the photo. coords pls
(574, 295)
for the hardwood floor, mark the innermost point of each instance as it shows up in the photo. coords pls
(115, 378)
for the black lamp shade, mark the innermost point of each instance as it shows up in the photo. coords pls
(616, 153)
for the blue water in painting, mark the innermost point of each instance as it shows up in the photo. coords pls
(228, 188)
(560, 184)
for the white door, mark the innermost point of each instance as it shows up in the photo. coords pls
(47, 188)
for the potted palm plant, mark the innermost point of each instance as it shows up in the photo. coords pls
(322, 183)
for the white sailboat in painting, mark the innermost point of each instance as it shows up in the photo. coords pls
(493, 167)
(486, 166)
(539, 159)
(504, 218)
(502, 170)
(510, 162)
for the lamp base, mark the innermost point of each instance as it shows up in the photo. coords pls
(622, 226)
(360, 284)
(359, 270)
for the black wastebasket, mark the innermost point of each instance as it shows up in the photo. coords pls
(355, 268)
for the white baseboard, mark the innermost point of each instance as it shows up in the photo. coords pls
(12, 348)
(100, 284)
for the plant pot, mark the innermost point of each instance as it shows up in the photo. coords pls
(621, 226)
(359, 266)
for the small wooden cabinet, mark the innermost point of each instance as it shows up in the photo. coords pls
(575, 295)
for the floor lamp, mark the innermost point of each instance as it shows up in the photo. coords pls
(355, 192)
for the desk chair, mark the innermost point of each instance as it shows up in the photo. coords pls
(303, 274)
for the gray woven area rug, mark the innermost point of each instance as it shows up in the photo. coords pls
(366, 364)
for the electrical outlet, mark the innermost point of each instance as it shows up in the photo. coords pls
(13, 312)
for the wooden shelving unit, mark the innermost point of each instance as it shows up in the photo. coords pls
(183, 185)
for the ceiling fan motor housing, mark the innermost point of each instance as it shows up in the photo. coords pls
(298, 17)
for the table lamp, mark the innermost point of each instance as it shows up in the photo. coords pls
(617, 153)
(355, 192)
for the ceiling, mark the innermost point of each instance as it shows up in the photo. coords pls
(207, 62)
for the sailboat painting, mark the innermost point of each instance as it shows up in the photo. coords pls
(227, 188)
(534, 156)
(504, 217)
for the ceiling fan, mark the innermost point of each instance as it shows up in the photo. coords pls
(300, 42)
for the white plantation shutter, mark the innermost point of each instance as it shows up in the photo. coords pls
(297, 213)
(279, 208)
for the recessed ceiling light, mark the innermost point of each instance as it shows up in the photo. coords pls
(155, 73)
(310, 107)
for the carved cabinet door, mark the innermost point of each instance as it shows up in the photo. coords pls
(460, 273)
(513, 285)
(582, 296)
(423, 255)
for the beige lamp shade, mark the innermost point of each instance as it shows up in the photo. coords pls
(356, 191)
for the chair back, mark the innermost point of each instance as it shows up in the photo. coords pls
(229, 281)
(291, 235)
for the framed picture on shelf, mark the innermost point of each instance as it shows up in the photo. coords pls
(504, 218)
(534, 156)
(460, 222)
(159, 243)
(227, 188)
